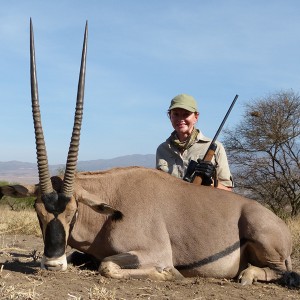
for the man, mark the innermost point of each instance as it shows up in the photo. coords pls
(187, 143)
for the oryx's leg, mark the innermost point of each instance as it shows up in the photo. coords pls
(273, 270)
(128, 265)
(268, 247)
(253, 274)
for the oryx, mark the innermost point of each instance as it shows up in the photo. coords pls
(144, 223)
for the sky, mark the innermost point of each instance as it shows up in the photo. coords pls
(140, 55)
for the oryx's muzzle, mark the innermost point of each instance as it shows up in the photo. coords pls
(54, 264)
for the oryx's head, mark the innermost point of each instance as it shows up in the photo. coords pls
(56, 207)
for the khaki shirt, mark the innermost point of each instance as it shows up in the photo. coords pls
(170, 160)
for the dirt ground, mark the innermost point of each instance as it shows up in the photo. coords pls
(21, 278)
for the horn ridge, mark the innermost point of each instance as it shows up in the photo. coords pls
(72, 158)
(42, 160)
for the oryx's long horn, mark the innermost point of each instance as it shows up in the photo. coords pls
(74, 144)
(44, 175)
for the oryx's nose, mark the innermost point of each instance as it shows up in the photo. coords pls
(54, 264)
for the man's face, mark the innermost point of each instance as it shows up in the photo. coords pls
(183, 121)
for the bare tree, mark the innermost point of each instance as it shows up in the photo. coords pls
(264, 151)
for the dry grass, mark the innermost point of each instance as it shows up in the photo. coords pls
(28, 290)
(17, 292)
(19, 222)
(294, 225)
(98, 292)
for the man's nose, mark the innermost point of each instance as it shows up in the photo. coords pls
(180, 117)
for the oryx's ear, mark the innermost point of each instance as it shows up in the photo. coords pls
(95, 203)
(106, 209)
(18, 191)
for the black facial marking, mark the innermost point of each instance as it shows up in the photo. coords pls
(55, 203)
(73, 222)
(40, 222)
(55, 239)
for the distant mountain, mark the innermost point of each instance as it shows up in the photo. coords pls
(23, 172)
(147, 161)
(16, 171)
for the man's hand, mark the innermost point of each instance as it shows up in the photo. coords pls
(206, 170)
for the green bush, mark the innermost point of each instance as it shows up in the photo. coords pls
(16, 204)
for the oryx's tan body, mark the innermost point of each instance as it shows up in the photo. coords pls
(168, 222)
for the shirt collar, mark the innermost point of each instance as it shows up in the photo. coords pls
(201, 137)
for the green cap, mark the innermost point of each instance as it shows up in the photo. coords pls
(184, 101)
